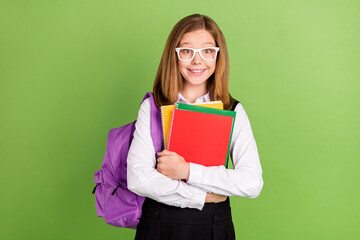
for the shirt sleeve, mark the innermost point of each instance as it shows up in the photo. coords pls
(245, 179)
(142, 177)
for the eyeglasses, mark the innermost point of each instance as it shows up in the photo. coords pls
(187, 54)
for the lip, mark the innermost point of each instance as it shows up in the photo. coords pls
(196, 74)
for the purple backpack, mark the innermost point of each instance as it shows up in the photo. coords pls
(113, 200)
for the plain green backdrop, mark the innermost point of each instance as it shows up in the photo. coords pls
(72, 70)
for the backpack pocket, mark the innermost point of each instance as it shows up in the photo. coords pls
(99, 190)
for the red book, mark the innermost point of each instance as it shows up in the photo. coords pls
(199, 137)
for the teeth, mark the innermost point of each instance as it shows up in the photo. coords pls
(196, 71)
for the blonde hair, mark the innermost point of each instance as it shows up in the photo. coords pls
(168, 81)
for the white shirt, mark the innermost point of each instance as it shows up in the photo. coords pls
(244, 180)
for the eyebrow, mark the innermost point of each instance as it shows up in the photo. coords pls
(184, 43)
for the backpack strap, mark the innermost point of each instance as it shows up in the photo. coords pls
(155, 122)
(234, 105)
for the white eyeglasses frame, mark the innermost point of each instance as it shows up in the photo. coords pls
(195, 51)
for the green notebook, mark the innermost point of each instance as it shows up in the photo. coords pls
(194, 108)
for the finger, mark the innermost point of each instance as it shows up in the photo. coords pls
(160, 170)
(160, 159)
(159, 167)
(167, 152)
(163, 161)
(162, 153)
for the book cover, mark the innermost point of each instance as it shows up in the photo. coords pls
(200, 137)
(212, 111)
(166, 114)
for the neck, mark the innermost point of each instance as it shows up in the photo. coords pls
(191, 93)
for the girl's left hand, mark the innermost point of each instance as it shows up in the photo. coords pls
(172, 165)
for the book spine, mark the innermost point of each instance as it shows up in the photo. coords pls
(163, 124)
(171, 128)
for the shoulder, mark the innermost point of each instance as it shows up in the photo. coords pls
(145, 103)
(145, 108)
(241, 117)
(142, 124)
(239, 108)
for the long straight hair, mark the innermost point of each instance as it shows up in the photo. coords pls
(168, 81)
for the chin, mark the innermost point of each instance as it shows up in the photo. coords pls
(196, 82)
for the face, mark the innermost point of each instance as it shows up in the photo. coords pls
(196, 71)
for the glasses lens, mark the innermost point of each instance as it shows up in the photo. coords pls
(186, 53)
(208, 53)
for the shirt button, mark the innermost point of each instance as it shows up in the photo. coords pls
(156, 213)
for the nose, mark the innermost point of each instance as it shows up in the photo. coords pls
(197, 59)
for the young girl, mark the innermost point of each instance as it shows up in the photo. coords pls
(187, 200)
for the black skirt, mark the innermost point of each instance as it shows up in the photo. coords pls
(163, 222)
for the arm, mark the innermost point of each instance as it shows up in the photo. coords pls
(145, 180)
(246, 178)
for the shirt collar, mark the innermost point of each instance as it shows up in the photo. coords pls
(204, 98)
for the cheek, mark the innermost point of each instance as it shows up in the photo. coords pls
(182, 68)
(212, 68)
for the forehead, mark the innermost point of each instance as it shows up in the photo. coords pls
(197, 38)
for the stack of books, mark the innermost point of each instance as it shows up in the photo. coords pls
(201, 133)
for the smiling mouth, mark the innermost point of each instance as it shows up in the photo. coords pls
(197, 70)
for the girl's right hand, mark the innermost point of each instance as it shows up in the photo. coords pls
(214, 198)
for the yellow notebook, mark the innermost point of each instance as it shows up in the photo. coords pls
(166, 114)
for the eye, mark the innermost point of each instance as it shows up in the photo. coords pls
(208, 50)
(186, 51)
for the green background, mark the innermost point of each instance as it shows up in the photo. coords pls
(72, 70)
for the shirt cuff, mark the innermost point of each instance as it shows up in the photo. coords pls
(193, 197)
(195, 175)
(198, 200)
